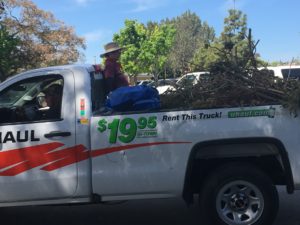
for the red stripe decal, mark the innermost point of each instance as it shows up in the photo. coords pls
(67, 157)
(17, 161)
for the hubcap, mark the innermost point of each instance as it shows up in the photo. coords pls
(239, 203)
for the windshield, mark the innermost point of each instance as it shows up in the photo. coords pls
(11, 95)
(23, 91)
(186, 80)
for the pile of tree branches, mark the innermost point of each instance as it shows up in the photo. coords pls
(235, 81)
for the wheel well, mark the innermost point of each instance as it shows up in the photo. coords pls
(267, 154)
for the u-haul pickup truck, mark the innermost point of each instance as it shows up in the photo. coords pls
(230, 158)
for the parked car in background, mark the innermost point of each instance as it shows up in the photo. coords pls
(189, 79)
(144, 82)
(162, 85)
(163, 82)
(192, 78)
(285, 72)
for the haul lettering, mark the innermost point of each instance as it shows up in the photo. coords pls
(19, 136)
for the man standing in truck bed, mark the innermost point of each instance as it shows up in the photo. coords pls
(114, 77)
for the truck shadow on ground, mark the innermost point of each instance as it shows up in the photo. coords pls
(143, 212)
(146, 212)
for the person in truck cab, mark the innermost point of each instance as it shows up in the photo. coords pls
(114, 77)
(53, 97)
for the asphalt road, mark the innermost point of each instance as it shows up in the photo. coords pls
(143, 212)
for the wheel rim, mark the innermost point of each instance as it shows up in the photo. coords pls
(239, 202)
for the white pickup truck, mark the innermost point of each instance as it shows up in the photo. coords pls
(230, 158)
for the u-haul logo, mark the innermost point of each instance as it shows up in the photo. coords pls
(18, 136)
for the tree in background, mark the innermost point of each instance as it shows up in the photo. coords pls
(1, 9)
(191, 34)
(205, 56)
(43, 40)
(131, 37)
(156, 48)
(146, 47)
(9, 53)
(237, 44)
(234, 33)
(232, 45)
(293, 61)
(10, 56)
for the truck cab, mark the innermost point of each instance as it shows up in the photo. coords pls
(40, 144)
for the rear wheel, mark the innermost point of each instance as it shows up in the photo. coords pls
(238, 194)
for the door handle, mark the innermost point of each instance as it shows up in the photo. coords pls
(57, 134)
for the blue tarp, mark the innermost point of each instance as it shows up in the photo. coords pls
(140, 97)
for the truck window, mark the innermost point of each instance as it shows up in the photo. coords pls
(31, 100)
(187, 80)
(292, 73)
(97, 90)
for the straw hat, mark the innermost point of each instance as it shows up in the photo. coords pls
(110, 47)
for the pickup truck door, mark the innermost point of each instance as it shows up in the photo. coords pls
(37, 149)
(139, 155)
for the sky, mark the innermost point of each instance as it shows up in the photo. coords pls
(275, 23)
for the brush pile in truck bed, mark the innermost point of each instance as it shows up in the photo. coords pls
(235, 89)
(236, 81)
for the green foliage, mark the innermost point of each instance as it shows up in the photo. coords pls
(145, 47)
(191, 34)
(232, 47)
(166, 46)
(205, 57)
(235, 28)
(276, 63)
(235, 42)
(156, 47)
(1, 9)
(9, 53)
(131, 37)
(294, 61)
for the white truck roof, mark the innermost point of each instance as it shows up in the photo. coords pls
(71, 67)
(285, 71)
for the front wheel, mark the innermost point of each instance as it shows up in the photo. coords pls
(238, 194)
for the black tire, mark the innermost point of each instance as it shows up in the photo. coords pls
(238, 194)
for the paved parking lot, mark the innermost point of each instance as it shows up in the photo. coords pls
(143, 212)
